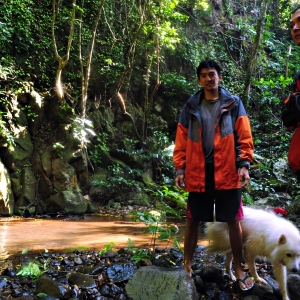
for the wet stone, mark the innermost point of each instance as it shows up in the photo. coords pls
(118, 273)
(93, 270)
(220, 258)
(274, 284)
(120, 297)
(158, 250)
(161, 262)
(78, 261)
(211, 274)
(261, 290)
(82, 280)
(223, 296)
(199, 284)
(145, 262)
(65, 262)
(3, 281)
(109, 254)
(176, 254)
(293, 283)
(124, 251)
(10, 272)
(48, 286)
(17, 292)
(110, 290)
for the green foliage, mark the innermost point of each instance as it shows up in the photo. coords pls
(247, 199)
(29, 113)
(6, 133)
(34, 269)
(158, 227)
(123, 178)
(270, 89)
(168, 199)
(155, 150)
(107, 247)
(99, 145)
(138, 253)
(17, 20)
(58, 147)
(176, 84)
(41, 295)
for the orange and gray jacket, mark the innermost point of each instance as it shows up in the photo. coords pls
(233, 145)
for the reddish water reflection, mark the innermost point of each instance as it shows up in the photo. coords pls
(39, 234)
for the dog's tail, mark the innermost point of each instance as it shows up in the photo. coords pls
(218, 237)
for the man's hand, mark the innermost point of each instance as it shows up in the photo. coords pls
(180, 181)
(244, 176)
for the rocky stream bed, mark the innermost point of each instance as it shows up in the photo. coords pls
(88, 274)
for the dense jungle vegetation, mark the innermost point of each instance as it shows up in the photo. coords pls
(137, 59)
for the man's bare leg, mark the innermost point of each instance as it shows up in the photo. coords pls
(236, 242)
(190, 242)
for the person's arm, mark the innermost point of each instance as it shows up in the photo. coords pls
(244, 144)
(180, 150)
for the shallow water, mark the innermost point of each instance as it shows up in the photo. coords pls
(17, 234)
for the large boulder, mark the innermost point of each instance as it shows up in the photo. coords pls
(69, 201)
(155, 283)
(63, 175)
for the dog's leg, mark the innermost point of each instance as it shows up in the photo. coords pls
(250, 261)
(281, 277)
(228, 266)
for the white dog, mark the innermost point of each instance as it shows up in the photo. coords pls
(266, 235)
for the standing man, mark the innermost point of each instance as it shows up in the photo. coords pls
(212, 155)
(290, 115)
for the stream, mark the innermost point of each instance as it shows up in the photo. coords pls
(87, 232)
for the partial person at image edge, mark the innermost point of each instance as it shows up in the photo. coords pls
(291, 112)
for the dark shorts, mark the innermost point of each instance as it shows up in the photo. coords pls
(226, 203)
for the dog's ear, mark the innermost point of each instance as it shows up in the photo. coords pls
(282, 240)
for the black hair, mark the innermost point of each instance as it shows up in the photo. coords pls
(207, 64)
(297, 7)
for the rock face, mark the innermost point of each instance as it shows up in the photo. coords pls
(156, 283)
(43, 167)
(50, 157)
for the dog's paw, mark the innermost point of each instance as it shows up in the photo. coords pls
(260, 280)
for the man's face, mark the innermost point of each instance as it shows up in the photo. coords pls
(209, 79)
(295, 27)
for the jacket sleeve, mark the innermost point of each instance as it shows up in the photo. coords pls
(243, 137)
(291, 112)
(180, 143)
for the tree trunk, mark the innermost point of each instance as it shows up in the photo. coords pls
(252, 61)
(62, 61)
(86, 75)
